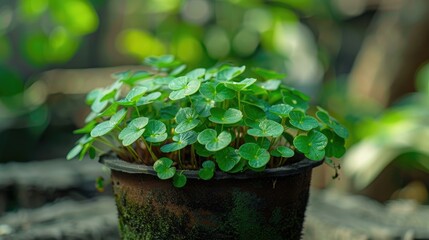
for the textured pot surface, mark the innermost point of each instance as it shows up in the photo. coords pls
(268, 207)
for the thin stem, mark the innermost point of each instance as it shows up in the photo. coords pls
(239, 100)
(137, 110)
(133, 152)
(193, 160)
(180, 159)
(149, 148)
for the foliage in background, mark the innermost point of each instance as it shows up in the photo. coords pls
(399, 135)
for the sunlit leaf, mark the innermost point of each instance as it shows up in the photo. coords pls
(222, 116)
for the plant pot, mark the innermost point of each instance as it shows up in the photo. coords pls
(252, 205)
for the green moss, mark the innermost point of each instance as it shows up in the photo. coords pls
(238, 214)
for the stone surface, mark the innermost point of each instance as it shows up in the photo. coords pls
(67, 219)
(331, 215)
(29, 185)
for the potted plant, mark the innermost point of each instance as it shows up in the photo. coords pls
(209, 154)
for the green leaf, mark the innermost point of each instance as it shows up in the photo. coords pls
(187, 119)
(180, 141)
(295, 99)
(137, 76)
(135, 93)
(202, 151)
(74, 152)
(109, 111)
(189, 137)
(132, 136)
(282, 151)
(203, 106)
(139, 122)
(207, 172)
(282, 110)
(270, 85)
(257, 157)
(221, 116)
(196, 73)
(239, 167)
(179, 180)
(227, 73)
(182, 87)
(178, 70)
(335, 146)
(267, 128)
(312, 145)
(162, 62)
(332, 123)
(301, 121)
(155, 131)
(93, 95)
(212, 141)
(102, 129)
(148, 99)
(268, 74)
(98, 105)
(186, 113)
(168, 112)
(118, 117)
(174, 146)
(239, 86)
(163, 168)
(227, 158)
(86, 129)
(216, 92)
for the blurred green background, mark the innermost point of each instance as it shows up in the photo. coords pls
(363, 60)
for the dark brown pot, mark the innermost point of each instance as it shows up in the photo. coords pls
(265, 205)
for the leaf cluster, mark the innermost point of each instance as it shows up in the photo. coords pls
(205, 119)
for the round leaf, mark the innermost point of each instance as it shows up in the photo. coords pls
(132, 136)
(212, 141)
(257, 157)
(335, 146)
(281, 110)
(102, 129)
(227, 73)
(239, 86)
(311, 145)
(148, 98)
(118, 117)
(139, 122)
(135, 93)
(227, 158)
(179, 180)
(221, 116)
(332, 123)
(163, 168)
(267, 128)
(282, 151)
(155, 131)
(207, 172)
(301, 121)
(216, 92)
(196, 73)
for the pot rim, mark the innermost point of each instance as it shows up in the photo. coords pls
(117, 164)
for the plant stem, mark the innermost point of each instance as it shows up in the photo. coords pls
(239, 100)
(193, 160)
(180, 159)
(133, 152)
(137, 110)
(149, 148)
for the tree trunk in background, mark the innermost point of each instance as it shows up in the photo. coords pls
(396, 46)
